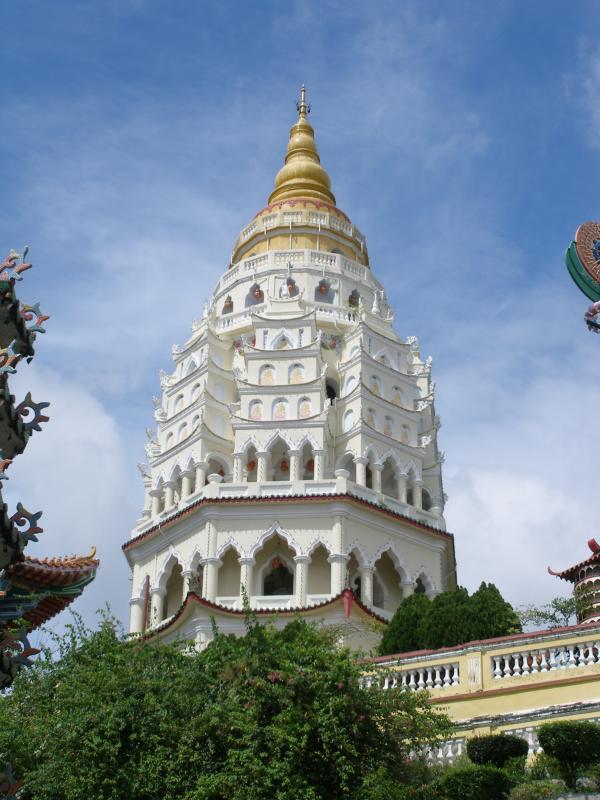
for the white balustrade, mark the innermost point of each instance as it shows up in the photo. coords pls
(437, 676)
(549, 659)
(300, 217)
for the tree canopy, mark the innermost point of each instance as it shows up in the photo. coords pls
(274, 714)
(449, 619)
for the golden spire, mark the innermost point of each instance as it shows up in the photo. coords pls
(302, 174)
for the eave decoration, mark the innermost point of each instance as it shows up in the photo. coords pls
(32, 590)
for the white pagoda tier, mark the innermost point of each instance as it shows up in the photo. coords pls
(296, 446)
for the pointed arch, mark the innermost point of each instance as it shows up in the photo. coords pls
(390, 548)
(357, 550)
(190, 366)
(319, 541)
(423, 574)
(307, 439)
(278, 434)
(275, 530)
(282, 336)
(249, 442)
(194, 560)
(171, 558)
(230, 544)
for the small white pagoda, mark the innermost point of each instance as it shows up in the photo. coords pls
(296, 446)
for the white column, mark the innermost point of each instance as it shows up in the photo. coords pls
(261, 471)
(187, 575)
(301, 579)
(377, 470)
(319, 456)
(402, 486)
(136, 614)
(211, 572)
(361, 470)
(201, 469)
(157, 613)
(246, 570)
(147, 498)
(437, 505)
(169, 495)
(366, 585)
(155, 494)
(408, 588)
(338, 572)
(186, 483)
(418, 494)
(238, 467)
(294, 465)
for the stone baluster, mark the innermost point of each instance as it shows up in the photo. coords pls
(411, 682)
(294, 465)
(438, 677)
(238, 467)
(361, 470)
(552, 659)
(156, 495)
(421, 681)
(211, 575)
(246, 569)
(301, 579)
(377, 469)
(319, 456)
(201, 471)
(366, 585)
(497, 670)
(186, 483)
(446, 669)
(429, 681)
(169, 495)
(572, 657)
(261, 471)
(543, 661)
(417, 494)
(402, 481)
(455, 675)
(157, 614)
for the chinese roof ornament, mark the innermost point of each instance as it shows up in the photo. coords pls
(583, 262)
(32, 590)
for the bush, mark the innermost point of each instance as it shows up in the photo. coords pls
(574, 745)
(476, 783)
(496, 750)
(538, 790)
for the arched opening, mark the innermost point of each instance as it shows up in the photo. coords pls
(332, 389)
(397, 395)
(275, 568)
(375, 385)
(279, 461)
(405, 434)
(228, 305)
(296, 374)
(280, 409)
(354, 298)
(216, 466)
(196, 423)
(371, 418)
(183, 432)
(267, 375)
(256, 409)
(368, 476)
(169, 441)
(389, 483)
(307, 462)
(196, 580)
(420, 587)
(304, 408)
(255, 296)
(196, 392)
(228, 581)
(350, 385)
(353, 578)
(390, 580)
(174, 596)
(347, 463)
(388, 427)
(426, 501)
(251, 467)
(348, 421)
(178, 404)
(323, 292)
(319, 573)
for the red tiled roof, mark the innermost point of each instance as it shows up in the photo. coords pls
(346, 595)
(58, 571)
(570, 574)
(282, 499)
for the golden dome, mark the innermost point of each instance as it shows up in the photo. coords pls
(302, 174)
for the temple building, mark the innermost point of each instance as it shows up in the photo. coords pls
(295, 457)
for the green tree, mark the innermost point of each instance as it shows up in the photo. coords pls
(574, 745)
(490, 615)
(281, 715)
(405, 630)
(559, 612)
(451, 618)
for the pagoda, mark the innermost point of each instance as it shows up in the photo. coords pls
(32, 590)
(585, 577)
(295, 458)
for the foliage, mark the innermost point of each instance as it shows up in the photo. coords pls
(405, 630)
(476, 783)
(538, 790)
(451, 618)
(574, 745)
(274, 714)
(496, 749)
(558, 613)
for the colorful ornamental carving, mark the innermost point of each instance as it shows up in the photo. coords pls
(583, 262)
(32, 590)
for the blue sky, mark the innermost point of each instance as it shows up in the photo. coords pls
(463, 138)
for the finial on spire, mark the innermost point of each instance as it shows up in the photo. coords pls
(302, 106)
